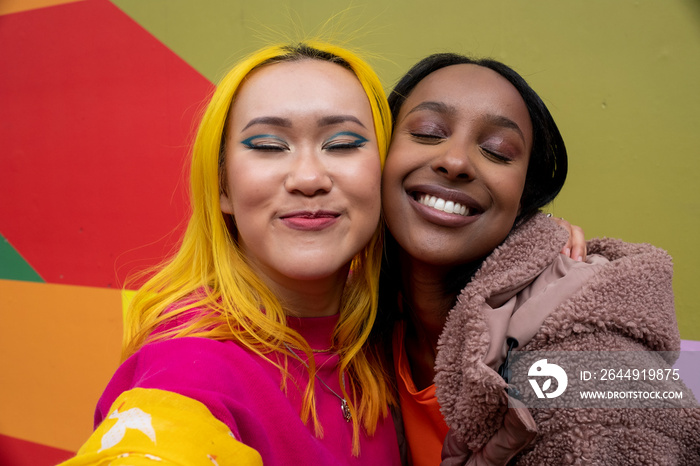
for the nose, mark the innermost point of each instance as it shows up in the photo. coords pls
(308, 175)
(455, 163)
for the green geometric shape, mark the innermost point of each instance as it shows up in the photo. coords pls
(203, 34)
(211, 35)
(13, 266)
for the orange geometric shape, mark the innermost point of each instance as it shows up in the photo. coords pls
(15, 6)
(60, 346)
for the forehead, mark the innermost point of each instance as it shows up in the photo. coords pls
(471, 90)
(299, 86)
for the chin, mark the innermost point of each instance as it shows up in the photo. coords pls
(436, 254)
(314, 271)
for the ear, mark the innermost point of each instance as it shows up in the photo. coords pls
(225, 203)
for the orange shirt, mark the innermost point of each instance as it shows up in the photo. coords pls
(424, 425)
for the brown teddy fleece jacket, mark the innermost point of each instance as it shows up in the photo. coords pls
(621, 299)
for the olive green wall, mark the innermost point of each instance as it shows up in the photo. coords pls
(620, 77)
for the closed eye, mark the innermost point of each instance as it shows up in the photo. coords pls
(344, 140)
(427, 138)
(265, 143)
(495, 156)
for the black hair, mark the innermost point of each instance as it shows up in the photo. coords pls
(545, 177)
(548, 165)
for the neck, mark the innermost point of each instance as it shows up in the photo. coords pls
(308, 298)
(316, 300)
(427, 300)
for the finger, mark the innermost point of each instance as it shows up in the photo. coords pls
(518, 431)
(575, 246)
(578, 240)
(567, 249)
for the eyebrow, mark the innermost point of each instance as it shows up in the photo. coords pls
(505, 122)
(287, 123)
(445, 109)
(337, 119)
(437, 107)
(269, 120)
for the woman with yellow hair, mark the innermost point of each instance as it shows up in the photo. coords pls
(248, 346)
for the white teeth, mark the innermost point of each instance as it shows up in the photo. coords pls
(449, 207)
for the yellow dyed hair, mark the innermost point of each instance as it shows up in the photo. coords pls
(210, 276)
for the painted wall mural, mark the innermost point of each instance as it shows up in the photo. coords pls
(98, 105)
(96, 118)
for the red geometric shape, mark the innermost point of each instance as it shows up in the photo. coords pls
(96, 120)
(18, 452)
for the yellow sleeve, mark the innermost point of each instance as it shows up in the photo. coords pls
(159, 428)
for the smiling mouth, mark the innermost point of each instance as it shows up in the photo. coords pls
(442, 205)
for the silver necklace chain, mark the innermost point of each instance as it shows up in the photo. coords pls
(343, 403)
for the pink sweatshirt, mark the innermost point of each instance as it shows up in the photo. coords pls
(242, 390)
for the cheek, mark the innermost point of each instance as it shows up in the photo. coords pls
(396, 169)
(245, 193)
(360, 184)
(515, 194)
(520, 188)
(368, 184)
(508, 189)
(391, 178)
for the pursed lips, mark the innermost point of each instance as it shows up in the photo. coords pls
(309, 220)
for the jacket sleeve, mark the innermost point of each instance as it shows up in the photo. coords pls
(629, 307)
(150, 426)
(626, 431)
(626, 306)
(517, 433)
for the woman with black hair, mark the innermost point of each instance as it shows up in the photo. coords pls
(473, 272)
